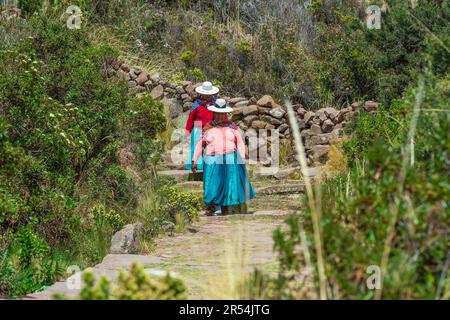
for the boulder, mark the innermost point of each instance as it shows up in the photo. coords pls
(185, 83)
(258, 124)
(242, 103)
(327, 126)
(157, 92)
(250, 110)
(301, 111)
(180, 89)
(282, 128)
(142, 78)
(277, 113)
(155, 77)
(316, 129)
(264, 110)
(331, 113)
(249, 119)
(321, 114)
(309, 116)
(136, 71)
(271, 120)
(371, 106)
(236, 100)
(124, 67)
(125, 240)
(267, 101)
(238, 111)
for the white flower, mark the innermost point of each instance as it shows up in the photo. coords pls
(51, 115)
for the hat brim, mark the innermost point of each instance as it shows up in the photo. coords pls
(211, 92)
(220, 110)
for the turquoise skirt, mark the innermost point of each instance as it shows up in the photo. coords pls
(195, 138)
(226, 181)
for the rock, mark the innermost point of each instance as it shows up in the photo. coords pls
(124, 67)
(371, 106)
(185, 83)
(236, 100)
(331, 113)
(174, 107)
(270, 126)
(250, 110)
(258, 124)
(168, 226)
(242, 126)
(238, 111)
(315, 129)
(155, 77)
(180, 89)
(249, 119)
(253, 100)
(282, 128)
(170, 90)
(124, 241)
(149, 85)
(301, 124)
(317, 120)
(356, 105)
(309, 116)
(321, 114)
(263, 110)
(277, 113)
(163, 83)
(157, 92)
(327, 126)
(132, 84)
(136, 71)
(301, 111)
(132, 75)
(324, 138)
(142, 78)
(241, 104)
(267, 101)
(319, 153)
(271, 120)
(349, 115)
(185, 96)
(190, 88)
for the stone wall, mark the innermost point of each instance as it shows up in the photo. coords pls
(318, 128)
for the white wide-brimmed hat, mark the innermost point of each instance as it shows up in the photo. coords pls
(207, 88)
(220, 106)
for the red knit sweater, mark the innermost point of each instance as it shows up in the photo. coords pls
(199, 115)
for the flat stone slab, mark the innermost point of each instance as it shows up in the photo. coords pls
(109, 268)
(271, 213)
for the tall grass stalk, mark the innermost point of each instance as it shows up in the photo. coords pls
(312, 203)
(401, 182)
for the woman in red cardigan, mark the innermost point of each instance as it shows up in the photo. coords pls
(199, 117)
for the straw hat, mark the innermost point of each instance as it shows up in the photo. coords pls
(220, 106)
(207, 88)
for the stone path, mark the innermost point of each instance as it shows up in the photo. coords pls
(215, 253)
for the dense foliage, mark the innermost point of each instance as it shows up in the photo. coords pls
(75, 151)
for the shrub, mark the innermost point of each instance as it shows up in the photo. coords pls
(135, 284)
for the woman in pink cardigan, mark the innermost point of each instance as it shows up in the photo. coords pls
(225, 178)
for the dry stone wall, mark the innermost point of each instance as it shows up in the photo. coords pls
(318, 128)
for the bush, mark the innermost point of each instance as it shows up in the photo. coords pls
(135, 284)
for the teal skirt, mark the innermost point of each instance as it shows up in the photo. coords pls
(226, 181)
(195, 138)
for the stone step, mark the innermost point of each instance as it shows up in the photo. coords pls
(109, 267)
